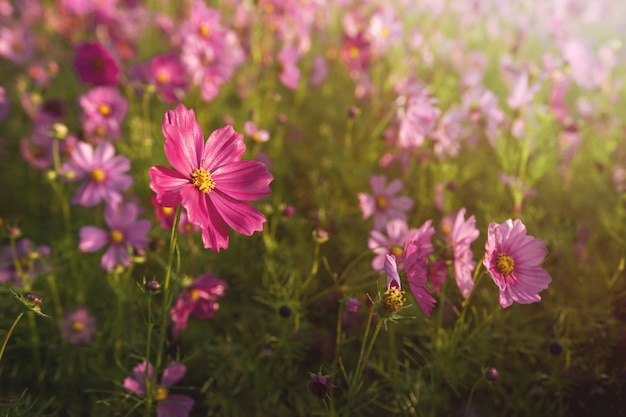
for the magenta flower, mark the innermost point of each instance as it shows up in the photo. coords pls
(209, 179)
(104, 174)
(382, 204)
(95, 65)
(79, 327)
(392, 243)
(463, 234)
(417, 249)
(200, 298)
(168, 405)
(513, 260)
(125, 232)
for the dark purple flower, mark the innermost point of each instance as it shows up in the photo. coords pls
(95, 65)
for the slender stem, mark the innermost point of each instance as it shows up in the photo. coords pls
(8, 336)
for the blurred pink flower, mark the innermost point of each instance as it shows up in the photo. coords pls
(437, 272)
(167, 74)
(125, 231)
(513, 260)
(355, 54)
(79, 327)
(417, 249)
(382, 204)
(289, 71)
(390, 244)
(165, 215)
(103, 173)
(209, 179)
(104, 110)
(257, 135)
(417, 120)
(5, 105)
(200, 298)
(95, 65)
(16, 44)
(319, 70)
(168, 405)
(31, 261)
(463, 234)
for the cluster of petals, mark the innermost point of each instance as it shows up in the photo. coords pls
(125, 233)
(198, 298)
(513, 259)
(464, 232)
(142, 379)
(209, 179)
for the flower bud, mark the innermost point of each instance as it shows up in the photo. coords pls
(284, 311)
(555, 347)
(492, 374)
(320, 236)
(152, 285)
(319, 385)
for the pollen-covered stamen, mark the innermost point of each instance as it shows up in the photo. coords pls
(78, 326)
(353, 52)
(98, 175)
(201, 178)
(392, 300)
(204, 30)
(160, 394)
(194, 294)
(162, 77)
(381, 202)
(505, 264)
(104, 109)
(116, 236)
(397, 251)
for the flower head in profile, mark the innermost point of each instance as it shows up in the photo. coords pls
(95, 65)
(464, 232)
(513, 260)
(125, 233)
(200, 298)
(79, 327)
(392, 243)
(209, 178)
(382, 203)
(143, 381)
(103, 173)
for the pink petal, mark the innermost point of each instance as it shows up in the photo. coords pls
(393, 187)
(393, 279)
(183, 139)
(172, 374)
(167, 183)
(92, 239)
(194, 201)
(377, 182)
(243, 180)
(116, 255)
(134, 386)
(367, 204)
(104, 151)
(240, 216)
(82, 156)
(175, 405)
(423, 298)
(87, 195)
(222, 147)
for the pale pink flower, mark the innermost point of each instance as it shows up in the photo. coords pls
(289, 73)
(103, 174)
(257, 135)
(383, 204)
(392, 243)
(209, 179)
(513, 260)
(464, 232)
(79, 327)
(104, 110)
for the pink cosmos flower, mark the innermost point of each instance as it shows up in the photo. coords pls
(166, 73)
(437, 272)
(200, 298)
(257, 135)
(79, 327)
(463, 234)
(319, 70)
(95, 65)
(417, 249)
(104, 110)
(168, 405)
(417, 120)
(104, 174)
(382, 204)
(16, 44)
(125, 232)
(392, 243)
(290, 73)
(209, 179)
(513, 260)
(165, 215)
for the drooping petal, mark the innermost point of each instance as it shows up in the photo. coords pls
(367, 204)
(423, 298)
(240, 216)
(115, 256)
(92, 239)
(175, 405)
(184, 141)
(172, 374)
(391, 267)
(167, 183)
(87, 195)
(136, 234)
(243, 180)
(223, 146)
(194, 201)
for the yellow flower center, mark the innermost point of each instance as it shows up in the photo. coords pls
(397, 251)
(117, 236)
(201, 178)
(392, 300)
(167, 210)
(204, 30)
(98, 175)
(162, 77)
(101, 130)
(353, 52)
(160, 394)
(98, 63)
(194, 294)
(384, 32)
(104, 109)
(78, 326)
(381, 202)
(505, 264)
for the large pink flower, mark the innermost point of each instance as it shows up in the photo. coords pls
(513, 260)
(209, 179)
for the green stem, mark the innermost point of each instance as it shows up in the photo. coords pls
(9, 333)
